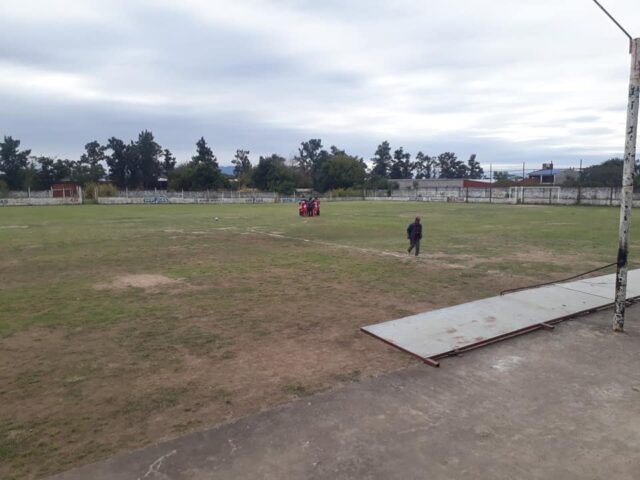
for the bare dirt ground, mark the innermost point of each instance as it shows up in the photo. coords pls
(146, 281)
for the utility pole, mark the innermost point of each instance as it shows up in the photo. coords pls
(490, 182)
(579, 199)
(626, 194)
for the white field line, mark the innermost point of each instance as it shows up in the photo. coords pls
(384, 253)
(371, 251)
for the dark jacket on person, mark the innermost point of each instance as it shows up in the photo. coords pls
(414, 231)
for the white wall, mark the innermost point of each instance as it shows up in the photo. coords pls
(13, 202)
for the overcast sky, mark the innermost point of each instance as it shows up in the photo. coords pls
(509, 80)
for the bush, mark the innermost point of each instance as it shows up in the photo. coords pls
(197, 177)
(103, 189)
(4, 189)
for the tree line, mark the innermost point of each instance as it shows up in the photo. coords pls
(605, 174)
(139, 164)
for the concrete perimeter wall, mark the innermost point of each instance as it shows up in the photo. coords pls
(42, 197)
(15, 202)
(509, 195)
(499, 195)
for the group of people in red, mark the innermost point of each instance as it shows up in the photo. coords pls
(309, 208)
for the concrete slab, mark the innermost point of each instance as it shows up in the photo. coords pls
(560, 405)
(438, 333)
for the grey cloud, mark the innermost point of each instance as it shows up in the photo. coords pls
(598, 131)
(44, 133)
(261, 88)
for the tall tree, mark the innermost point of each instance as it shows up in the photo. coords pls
(148, 152)
(241, 163)
(401, 166)
(382, 160)
(46, 173)
(89, 168)
(242, 167)
(31, 175)
(308, 162)
(426, 166)
(196, 176)
(118, 162)
(94, 154)
(309, 154)
(204, 154)
(273, 175)
(450, 166)
(201, 173)
(606, 174)
(205, 176)
(51, 171)
(341, 171)
(13, 162)
(501, 176)
(168, 162)
(474, 168)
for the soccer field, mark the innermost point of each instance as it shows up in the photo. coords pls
(124, 325)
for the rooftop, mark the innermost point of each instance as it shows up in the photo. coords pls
(549, 171)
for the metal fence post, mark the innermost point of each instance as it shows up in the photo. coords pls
(579, 199)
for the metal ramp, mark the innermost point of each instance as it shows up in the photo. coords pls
(440, 333)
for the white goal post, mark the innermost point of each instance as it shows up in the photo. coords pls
(541, 194)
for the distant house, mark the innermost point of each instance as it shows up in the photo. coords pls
(304, 192)
(65, 189)
(477, 183)
(553, 176)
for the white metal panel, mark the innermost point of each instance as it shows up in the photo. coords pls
(440, 331)
(604, 286)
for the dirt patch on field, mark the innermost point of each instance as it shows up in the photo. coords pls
(29, 247)
(146, 281)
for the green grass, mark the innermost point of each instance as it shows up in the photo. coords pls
(87, 370)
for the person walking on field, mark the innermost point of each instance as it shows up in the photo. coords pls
(414, 235)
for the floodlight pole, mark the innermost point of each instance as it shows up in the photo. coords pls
(626, 195)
